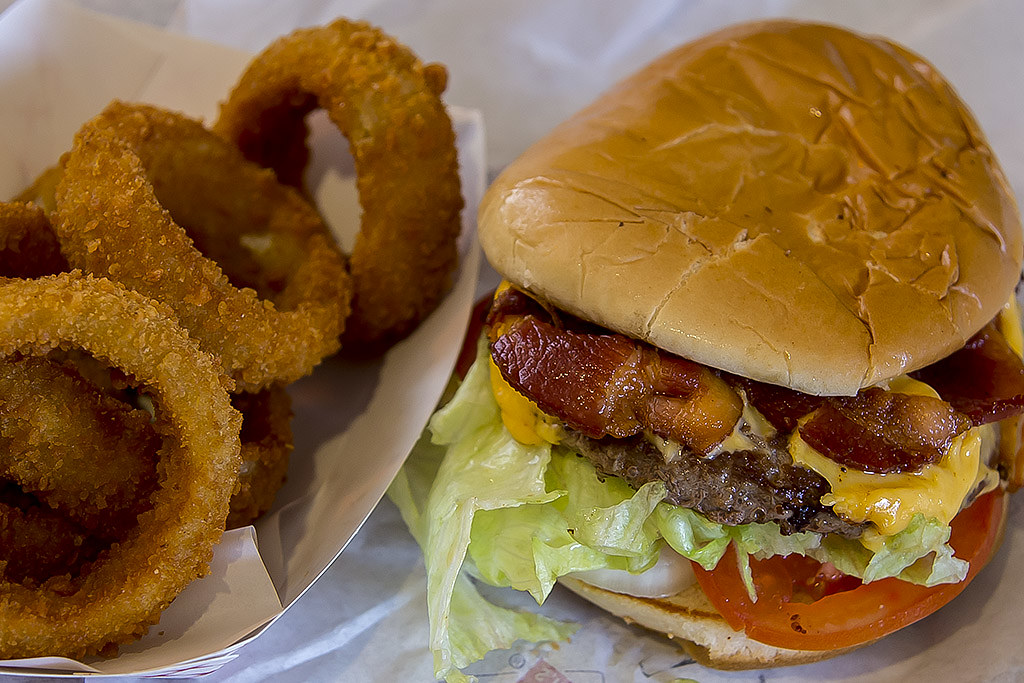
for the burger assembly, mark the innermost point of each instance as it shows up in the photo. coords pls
(753, 377)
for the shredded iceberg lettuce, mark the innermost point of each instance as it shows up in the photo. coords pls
(481, 503)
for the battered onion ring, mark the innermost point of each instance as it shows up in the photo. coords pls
(37, 543)
(387, 103)
(123, 591)
(42, 189)
(28, 245)
(73, 446)
(266, 446)
(144, 191)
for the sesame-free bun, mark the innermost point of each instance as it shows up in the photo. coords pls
(790, 202)
(690, 619)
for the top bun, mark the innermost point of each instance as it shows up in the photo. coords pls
(790, 202)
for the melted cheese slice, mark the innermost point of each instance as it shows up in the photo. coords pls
(523, 419)
(889, 501)
(1008, 323)
(751, 422)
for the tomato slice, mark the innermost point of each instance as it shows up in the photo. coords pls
(802, 605)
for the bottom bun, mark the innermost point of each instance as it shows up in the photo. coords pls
(689, 618)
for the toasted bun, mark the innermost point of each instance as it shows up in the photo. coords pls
(790, 202)
(690, 619)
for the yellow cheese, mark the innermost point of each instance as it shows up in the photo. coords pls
(891, 500)
(1011, 430)
(524, 420)
(751, 424)
(1008, 323)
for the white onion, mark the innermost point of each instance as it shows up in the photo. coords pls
(670, 574)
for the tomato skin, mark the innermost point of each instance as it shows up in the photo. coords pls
(850, 615)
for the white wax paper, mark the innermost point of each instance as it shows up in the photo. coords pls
(526, 65)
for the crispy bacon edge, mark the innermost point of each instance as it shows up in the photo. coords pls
(606, 384)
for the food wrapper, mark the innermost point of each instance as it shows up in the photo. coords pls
(354, 421)
(527, 65)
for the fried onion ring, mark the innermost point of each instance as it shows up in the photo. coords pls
(75, 448)
(41, 191)
(117, 596)
(37, 543)
(153, 200)
(387, 104)
(28, 245)
(266, 446)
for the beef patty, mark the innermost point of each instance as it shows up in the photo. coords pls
(731, 488)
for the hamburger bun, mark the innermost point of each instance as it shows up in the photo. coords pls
(789, 202)
(690, 619)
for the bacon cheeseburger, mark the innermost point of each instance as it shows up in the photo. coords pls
(754, 379)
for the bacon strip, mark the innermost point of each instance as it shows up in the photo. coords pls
(874, 431)
(610, 385)
(605, 384)
(984, 379)
(782, 407)
(881, 432)
(511, 302)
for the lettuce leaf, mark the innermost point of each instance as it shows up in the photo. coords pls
(528, 548)
(482, 468)
(919, 554)
(478, 626)
(483, 505)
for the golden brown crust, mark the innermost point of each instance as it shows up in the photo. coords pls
(266, 449)
(689, 618)
(388, 105)
(119, 595)
(153, 200)
(787, 201)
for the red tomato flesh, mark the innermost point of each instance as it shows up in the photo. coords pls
(805, 605)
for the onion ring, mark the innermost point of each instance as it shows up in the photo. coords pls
(74, 447)
(28, 245)
(41, 191)
(387, 104)
(266, 446)
(122, 592)
(37, 543)
(145, 192)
